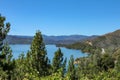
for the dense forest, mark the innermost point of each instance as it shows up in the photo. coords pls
(36, 65)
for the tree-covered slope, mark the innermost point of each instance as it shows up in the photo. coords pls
(110, 41)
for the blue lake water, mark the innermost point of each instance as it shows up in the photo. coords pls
(18, 49)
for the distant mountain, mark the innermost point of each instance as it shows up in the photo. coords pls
(65, 39)
(15, 39)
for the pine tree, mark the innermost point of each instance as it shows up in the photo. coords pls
(40, 61)
(57, 60)
(8, 64)
(20, 69)
(71, 69)
(64, 67)
(4, 29)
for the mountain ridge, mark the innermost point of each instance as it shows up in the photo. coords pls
(63, 39)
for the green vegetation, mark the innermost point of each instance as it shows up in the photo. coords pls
(36, 65)
(58, 61)
(110, 41)
(83, 46)
(39, 60)
(4, 29)
(71, 72)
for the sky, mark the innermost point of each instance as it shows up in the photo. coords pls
(61, 17)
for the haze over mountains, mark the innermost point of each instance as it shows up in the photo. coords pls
(15, 39)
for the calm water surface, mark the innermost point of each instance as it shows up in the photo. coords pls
(18, 49)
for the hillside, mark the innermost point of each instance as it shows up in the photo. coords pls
(15, 39)
(110, 41)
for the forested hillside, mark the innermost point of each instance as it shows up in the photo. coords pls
(110, 41)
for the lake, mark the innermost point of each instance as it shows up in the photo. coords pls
(18, 49)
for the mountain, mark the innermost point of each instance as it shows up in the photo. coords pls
(65, 39)
(15, 39)
(110, 40)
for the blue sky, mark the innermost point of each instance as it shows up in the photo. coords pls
(61, 17)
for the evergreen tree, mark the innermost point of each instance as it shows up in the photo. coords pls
(71, 69)
(20, 69)
(64, 67)
(4, 29)
(8, 64)
(80, 68)
(40, 62)
(57, 60)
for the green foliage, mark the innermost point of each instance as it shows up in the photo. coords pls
(3, 74)
(118, 64)
(59, 63)
(4, 29)
(71, 69)
(83, 46)
(107, 62)
(39, 60)
(21, 67)
(64, 67)
(109, 41)
(7, 63)
(57, 60)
